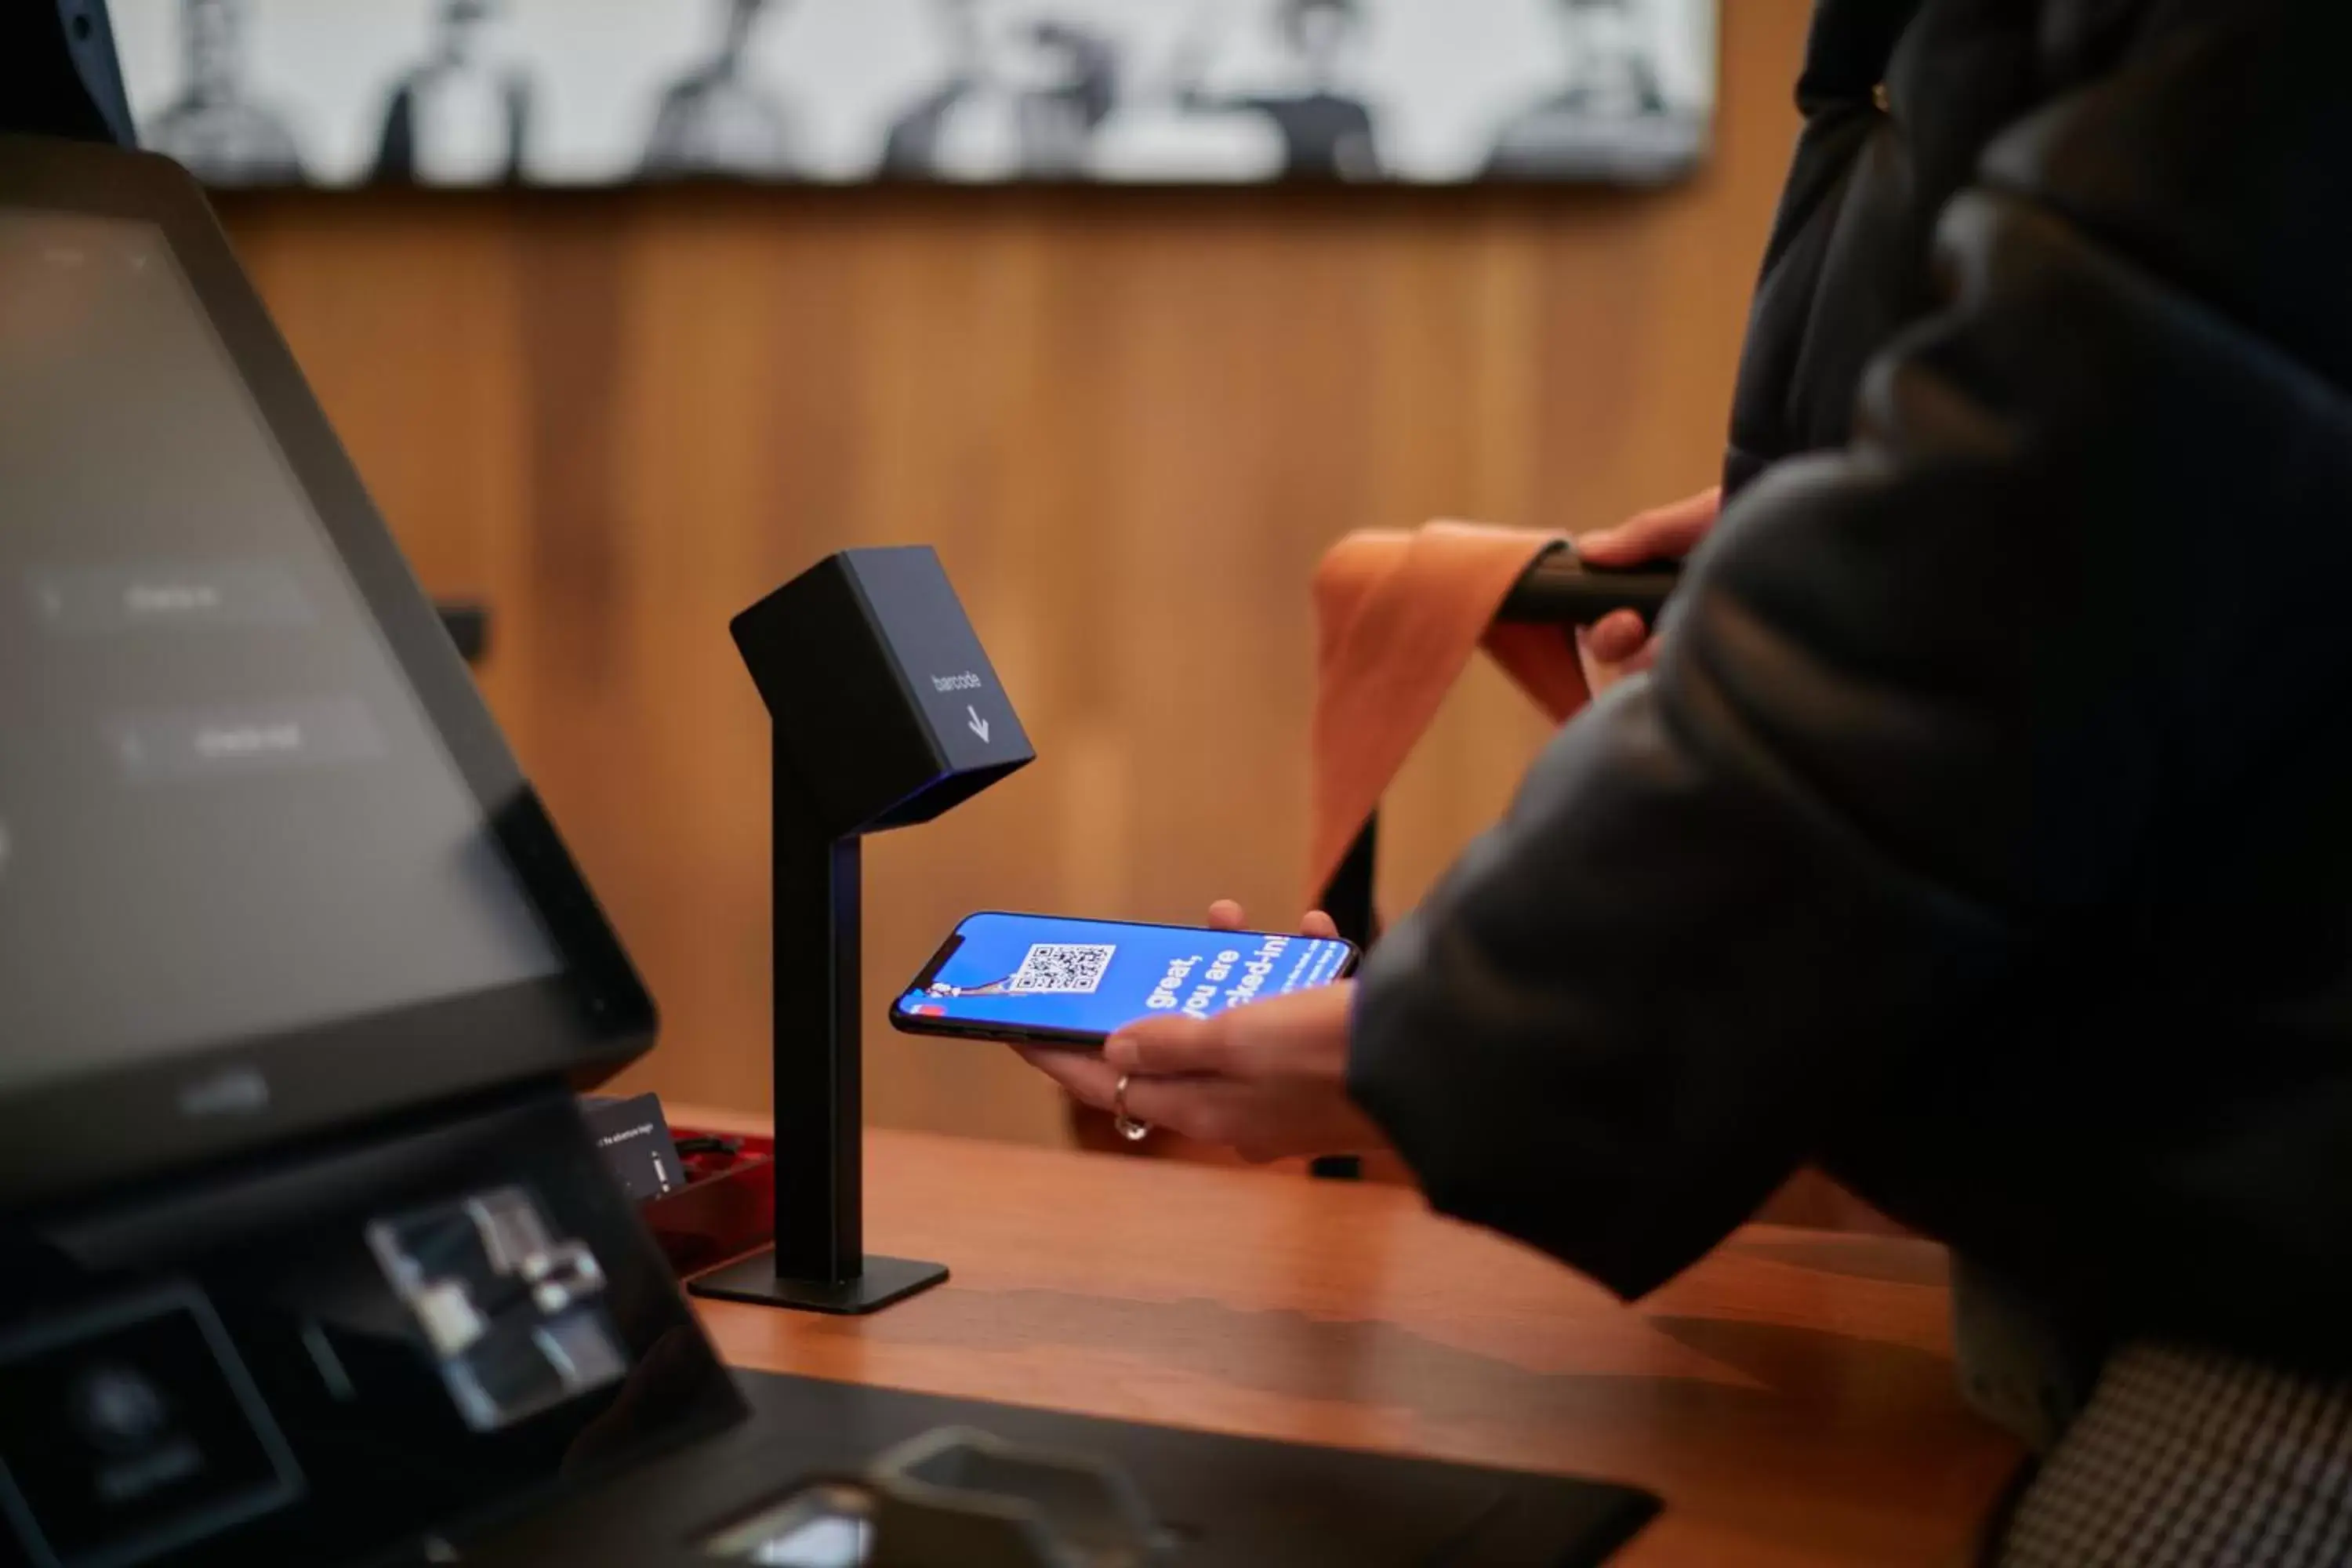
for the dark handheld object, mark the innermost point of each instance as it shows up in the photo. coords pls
(1560, 590)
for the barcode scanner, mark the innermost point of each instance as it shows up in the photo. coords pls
(1562, 589)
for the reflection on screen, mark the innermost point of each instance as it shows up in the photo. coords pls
(1091, 977)
(223, 811)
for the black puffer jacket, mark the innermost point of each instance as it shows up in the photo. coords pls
(1985, 833)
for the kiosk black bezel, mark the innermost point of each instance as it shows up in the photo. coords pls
(169, 1110)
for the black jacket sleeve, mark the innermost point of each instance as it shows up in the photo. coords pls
(1931, 707)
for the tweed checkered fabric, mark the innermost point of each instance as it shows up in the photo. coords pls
(2188, 1456)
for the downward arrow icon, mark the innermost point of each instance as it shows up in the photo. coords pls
(978, 725)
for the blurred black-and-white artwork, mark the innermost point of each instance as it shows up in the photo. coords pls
(599, 92)
(458, 114)
(213, 123)
(1316, 103)
(1610, 116)
(720, 117)
(1023, 89)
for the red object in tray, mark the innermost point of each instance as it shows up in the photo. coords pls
(728, 1206)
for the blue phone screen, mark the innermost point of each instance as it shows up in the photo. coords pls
(1090, 977)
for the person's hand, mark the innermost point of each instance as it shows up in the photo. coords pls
(1227, 915)
(1620, 645)
(1268, 1081)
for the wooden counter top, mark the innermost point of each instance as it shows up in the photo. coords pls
(1792, 1398)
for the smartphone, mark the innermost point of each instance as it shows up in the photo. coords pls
(1045, 980)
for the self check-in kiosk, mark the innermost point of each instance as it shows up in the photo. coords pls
(306, 1256)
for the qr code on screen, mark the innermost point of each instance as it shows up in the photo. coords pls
(1063, 969)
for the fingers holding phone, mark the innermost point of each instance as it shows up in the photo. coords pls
(1227, 915)
(1268, 1081)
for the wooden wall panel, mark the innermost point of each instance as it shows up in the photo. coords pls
(1129, 421)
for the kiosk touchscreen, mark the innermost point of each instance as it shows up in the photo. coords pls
(265, 862)
(304, 1257)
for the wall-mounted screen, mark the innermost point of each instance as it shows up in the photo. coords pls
(603, 92)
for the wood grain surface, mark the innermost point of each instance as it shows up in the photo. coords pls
(1129, 421)
(1792, 1398)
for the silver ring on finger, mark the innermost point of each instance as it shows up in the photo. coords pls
(1131, 1130)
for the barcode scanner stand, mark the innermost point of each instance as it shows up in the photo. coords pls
(886, 713)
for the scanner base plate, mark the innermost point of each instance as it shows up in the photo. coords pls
(884, 1282)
